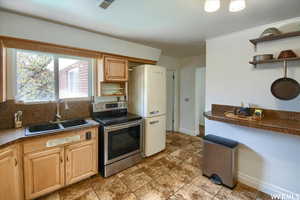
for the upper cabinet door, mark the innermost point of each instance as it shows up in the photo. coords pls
(2, 72)
(10, 170)
(115, 69)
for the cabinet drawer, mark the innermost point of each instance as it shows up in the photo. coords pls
(59, 140)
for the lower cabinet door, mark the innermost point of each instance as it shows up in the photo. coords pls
(43, 172)
(10, 174)
(81, 161)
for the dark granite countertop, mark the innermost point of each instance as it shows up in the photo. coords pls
(286, 126)
(8, 136)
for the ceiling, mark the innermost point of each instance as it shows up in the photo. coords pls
(178, 27)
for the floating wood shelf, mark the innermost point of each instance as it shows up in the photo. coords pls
(273, 61)
(275, 37)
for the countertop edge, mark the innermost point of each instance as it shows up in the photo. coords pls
(11, 136)
(253, 124)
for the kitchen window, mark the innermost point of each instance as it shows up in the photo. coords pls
(44, 77)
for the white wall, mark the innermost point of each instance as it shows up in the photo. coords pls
(189, 94)
(267, 160)
(35, 29)
(169, 62)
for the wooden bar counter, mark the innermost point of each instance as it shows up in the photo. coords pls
(274, 120)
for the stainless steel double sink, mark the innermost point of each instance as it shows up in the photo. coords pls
(54, 127)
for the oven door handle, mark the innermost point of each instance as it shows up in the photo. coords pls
(121, 126)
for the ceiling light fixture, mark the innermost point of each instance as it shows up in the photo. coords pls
(212, 5)
(237, 5)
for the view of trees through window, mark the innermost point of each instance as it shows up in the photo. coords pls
(35, 77)
(46, 77)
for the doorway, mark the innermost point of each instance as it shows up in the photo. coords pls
(171, 100)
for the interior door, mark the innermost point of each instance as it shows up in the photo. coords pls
(81, 161)
(155, 91)
(155, 135)
(170, 100)
(44, 172)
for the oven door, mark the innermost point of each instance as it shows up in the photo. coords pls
(121, 141)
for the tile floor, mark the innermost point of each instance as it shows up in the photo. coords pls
(174, 174)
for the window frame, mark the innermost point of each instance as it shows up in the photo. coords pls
(56, 76)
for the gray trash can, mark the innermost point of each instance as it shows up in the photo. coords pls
(220, 160)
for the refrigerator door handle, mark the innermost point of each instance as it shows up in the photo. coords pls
(154, 122)
(154, 112)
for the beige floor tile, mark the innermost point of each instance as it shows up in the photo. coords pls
(191, 192)
(52, 196)
(205, 184)
(182, 154)
(170, 183)
(136, 179)
(195, 160)
(225, 194)
(75, 191)
(127, 171)
(90, 195)
(152, 191)
(129, 196)
(110, 189)
(185, 172)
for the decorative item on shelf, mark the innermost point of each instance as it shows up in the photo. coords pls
(262, 57)
(271, 37)
(18, 119)
(270, 32)
(242, 111)
(258, 114)
(287, 54)
(285, 88)
(231, 115)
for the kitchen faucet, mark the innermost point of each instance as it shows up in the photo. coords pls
(58, 117)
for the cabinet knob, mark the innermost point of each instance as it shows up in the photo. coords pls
(16, 162)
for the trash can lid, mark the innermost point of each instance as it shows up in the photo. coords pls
(220, 140)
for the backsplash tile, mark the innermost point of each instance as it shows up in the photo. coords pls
(41, 113)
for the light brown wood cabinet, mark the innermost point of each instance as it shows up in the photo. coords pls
(44, 172)
(115, 68)
(11, 174)
(81, 161)
(52, 162)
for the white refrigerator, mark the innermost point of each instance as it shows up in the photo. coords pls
(147, 98)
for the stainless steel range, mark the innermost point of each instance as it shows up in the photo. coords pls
(120, 139)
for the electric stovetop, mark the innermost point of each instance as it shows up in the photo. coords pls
(114, 117)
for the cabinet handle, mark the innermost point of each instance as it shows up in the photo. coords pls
(67, 158)
(61, 159)
(16, 162)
